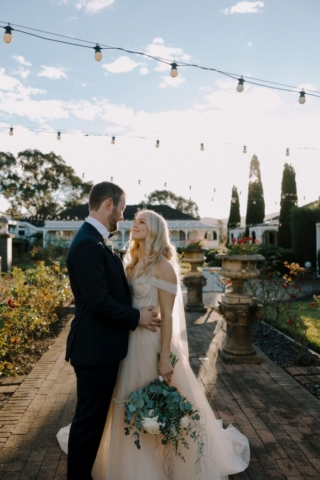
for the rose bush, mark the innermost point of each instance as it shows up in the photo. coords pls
(28, 302)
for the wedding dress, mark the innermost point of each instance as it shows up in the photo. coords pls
(226, 451)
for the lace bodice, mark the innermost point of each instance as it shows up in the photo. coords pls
(145, 290)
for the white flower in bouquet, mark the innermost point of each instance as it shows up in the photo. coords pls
(151, 425)
(184, 422)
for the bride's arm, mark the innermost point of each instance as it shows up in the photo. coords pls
(166, 272)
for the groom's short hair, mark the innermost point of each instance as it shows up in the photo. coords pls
(101, 191)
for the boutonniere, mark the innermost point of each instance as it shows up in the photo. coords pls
(107, 242)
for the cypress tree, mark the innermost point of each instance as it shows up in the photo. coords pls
(234, 216)
(289, 200)
(255, 205)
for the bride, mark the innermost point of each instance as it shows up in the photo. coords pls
(152, 270)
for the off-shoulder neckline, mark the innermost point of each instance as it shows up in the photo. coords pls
(155, 278)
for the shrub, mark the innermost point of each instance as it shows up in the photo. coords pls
(304, 233)
(28, 307)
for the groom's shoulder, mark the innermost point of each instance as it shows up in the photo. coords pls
(85, 237)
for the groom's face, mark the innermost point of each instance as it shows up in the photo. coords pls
(116, 214)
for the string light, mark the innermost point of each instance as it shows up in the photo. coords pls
(83, 175)
(157, 143)
(111, 179)
(165, 184)
(139, 182)
(244, 149)
(287, 152)
(190, 187)
(7, 37)
(98, 55)
(202, 147)
(59, 136)
(302, 98)
(113, 141)
(174, 70)
(11, 131)
(240, 86)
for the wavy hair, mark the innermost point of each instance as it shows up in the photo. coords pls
(157, 244)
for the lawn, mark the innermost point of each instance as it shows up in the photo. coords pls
(311, 317)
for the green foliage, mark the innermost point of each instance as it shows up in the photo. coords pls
(192, 245)
(255, 205)
(165, 197)
(289, 200)
(243, 246)
(211, 257)
(41, 184)
(304, 233)
(160, 409)
(51, 252)
(282, 255)
(234, 216)
(28, 307)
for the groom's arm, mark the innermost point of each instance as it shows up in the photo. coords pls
(86, 262)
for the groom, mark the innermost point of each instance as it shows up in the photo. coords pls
(98, 337)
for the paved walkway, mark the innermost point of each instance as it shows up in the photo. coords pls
(280, 418)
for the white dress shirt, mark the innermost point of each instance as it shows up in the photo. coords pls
(98, 226)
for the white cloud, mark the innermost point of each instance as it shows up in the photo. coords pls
(144, 71)
(171, 82)
(52, 73)
(249, 44)
(244, 7)
(93, 6)
(22, 72)
(20, 59)
(158, 49)
(122, 64)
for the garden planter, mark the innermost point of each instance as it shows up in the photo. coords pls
(239, 309)
(194, 281)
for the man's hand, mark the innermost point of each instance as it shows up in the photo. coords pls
(149, 318)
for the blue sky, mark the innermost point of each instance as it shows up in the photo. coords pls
(53, 86)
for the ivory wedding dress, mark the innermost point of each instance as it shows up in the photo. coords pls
(226, 451)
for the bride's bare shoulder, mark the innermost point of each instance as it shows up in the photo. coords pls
(164, 271)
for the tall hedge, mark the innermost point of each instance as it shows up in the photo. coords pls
(289, 200)
(234, 215)
(303, 221)
(255, 204)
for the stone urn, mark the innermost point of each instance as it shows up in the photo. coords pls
(239, 309)
(194, 281)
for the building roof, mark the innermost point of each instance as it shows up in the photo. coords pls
(81, 212)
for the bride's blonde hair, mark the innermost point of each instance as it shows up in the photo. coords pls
(157, 244)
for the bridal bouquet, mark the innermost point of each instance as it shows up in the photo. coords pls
(160, 409)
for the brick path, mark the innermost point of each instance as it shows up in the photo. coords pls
(280, 418)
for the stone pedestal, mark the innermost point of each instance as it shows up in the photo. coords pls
(239, 309)
(194, 282)
(6, 251)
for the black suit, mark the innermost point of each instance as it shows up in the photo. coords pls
(97, 341)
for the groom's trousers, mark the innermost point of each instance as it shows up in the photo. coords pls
(95, 385)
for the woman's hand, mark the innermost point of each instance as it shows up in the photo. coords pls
(165, 368)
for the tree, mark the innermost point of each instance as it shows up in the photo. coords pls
(255, 205)
(39, 184)
(234, 216)
(165, 197)
(289, 200)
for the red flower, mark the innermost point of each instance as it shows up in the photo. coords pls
(284, 285)
(312, 304)
(72, 302)
(234, 240)
(293, 296)
(289, 322)
(10, 301)
(15, 340)
(38, 262)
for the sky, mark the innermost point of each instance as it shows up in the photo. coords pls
(52, 86)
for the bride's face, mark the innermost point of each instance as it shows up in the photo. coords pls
(139, 229)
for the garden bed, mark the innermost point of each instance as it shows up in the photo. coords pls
(282, 351)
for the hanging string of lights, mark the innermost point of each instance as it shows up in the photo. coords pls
(98, 48)
(113, 138)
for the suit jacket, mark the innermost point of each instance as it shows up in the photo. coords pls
(100, 330)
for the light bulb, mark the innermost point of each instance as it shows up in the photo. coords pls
(111, 179)
(113, 141)
(83, 175)
(98, 55)
(190, 187)
(287, 152)
(244, 149)
(58, 136)
(202, 147)
(157, 143)
(139, 182)
(165, 184)
(11, 132)
(302, 98)
(240, 86)
(7, 37)
(174, 70)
